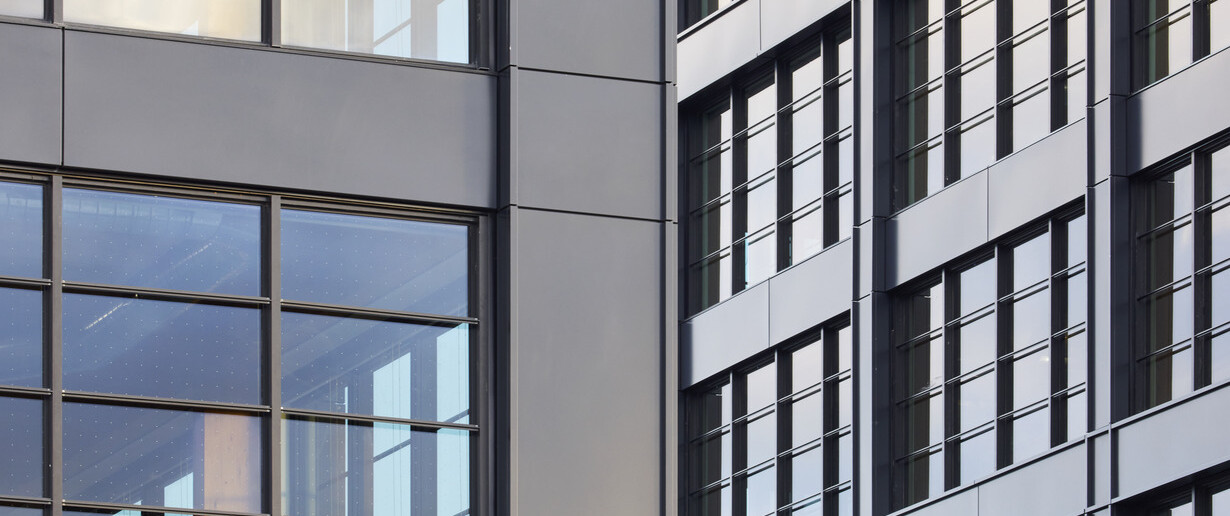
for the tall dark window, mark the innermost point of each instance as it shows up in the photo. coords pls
(1168, 35)
(770, 170)
(1183, 286)
(775, 437)
(977, 80)
(187, 347)
(992, 357)
(692, 11)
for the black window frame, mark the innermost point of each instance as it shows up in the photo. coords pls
(1143, 74)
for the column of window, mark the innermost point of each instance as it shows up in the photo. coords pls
(1011, 72)
(776, 438)
(979, 388)
(1183, 253)
(1171, 34)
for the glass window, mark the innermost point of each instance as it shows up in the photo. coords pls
(24, 511)
(21, 337)
(380, 368)
(1219, 24)
(375, 262)
(228, 19)
(166, 349)
(438, 30)
(1164, 38)
(161, 457)
(696, 10)
(161, 242)
(21, 229)
(22, 468)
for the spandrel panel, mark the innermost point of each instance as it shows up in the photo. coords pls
(21, 229)
(379, 368)
(353, 467)
(438, 30)
(162, 242)
(375, 262)
(21, 448)
(227, 19)
(162, 457)
(21, 337)
(164, 349)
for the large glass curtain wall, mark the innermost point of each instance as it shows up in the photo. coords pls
(436, 30)
(993, 361)
(1168, 35)
(189, 351)
(977, 80)
(771, 169)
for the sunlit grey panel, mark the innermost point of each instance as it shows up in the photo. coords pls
(172, 458)
(21, 337)
(353, 467)
(229, 19)
(21, 449)
(381, 368)
(21, 230)
(424, 29)
(375, 262)
(161, 242)
(161, 348)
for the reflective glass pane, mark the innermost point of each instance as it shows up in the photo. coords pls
(762, 492)
(761, 387)
(845, 349)
(1076, 90)
(1176, 509)
(1078, 299)
(354, 467)
(165, 349)
(807, 474)
(1220, 504)
(1031, 434)
(21, 228)
(977, 145)
(1219, 235)
(1220, 288)
(977, 404)
(977, 456)
(977, 344)
(807, 421)
(421, 29)
(920, 173)
(845, 402)
(193, 460)
(375, 262)
(845, 104)
(1031, 319)
(711, 175)
(761, 149)
(845, 457)
(977, 287)
(711, 458)
(711, 281)
(1169, 317)
(1167, 46)
(26, 511)
(1031, 378)
(845, 502)
(924, 366)
(1031, 117)
(1031, 60)
(382, 368)
(808, 124)
(1027, 14)
(845, 220)
(807, 76)
(712, 228)
(1219, 26)
(924, 477)
(1077, 36)
(1169, 375)
(1078, 240)
(229, 19)
(808, 179)
(977, 30)
(716, 502)
(762, 202)
(811, 508)
(807, 233)
(27, 9)
(1220, 358)
(761, 439)
(924, 418)
(21, 448)
(978, 89)
(761, 256)
(21, 337)
(1078, 356)
(807, 366)
(1078, 415)
(710, 409)
(162, 242)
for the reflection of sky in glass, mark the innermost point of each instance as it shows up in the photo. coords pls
(21, 229)
(28, 9)
(21, 337)
(421, 29)
(21, 447)
(229, 19)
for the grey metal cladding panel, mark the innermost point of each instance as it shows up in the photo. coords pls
(270, 118)
(811, 292)
(1178, 111)
(30, 93)
(589, 144)
(780, 19)
(724, 335)
(1174, 442)
(587, 364)
(725, 44)
(964, 503)
(1038, 179)
(1102, 136)
(599, 37)
(1054, 486)
(937, 229)
(1099, 231)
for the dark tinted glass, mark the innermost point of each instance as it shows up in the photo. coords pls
(161, 242)
(380, 368)
(337, 468)
(375, 262)
(21, 449)
(161, 457)
(160, 348)
(21, 337)
(21, 230)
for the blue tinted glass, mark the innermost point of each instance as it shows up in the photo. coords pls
(21, 230)
(162, 457)
(21, 448)
(375, 262)
(378, 468)
(159, 348)
(380, 368)
(23, 511)
(21, 337)
(161, 242)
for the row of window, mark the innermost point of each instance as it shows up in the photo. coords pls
(179, 344)
(770, 169)
(437, 30)
(1170, 34)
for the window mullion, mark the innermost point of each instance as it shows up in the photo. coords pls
(55, 339)
(273, 353)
